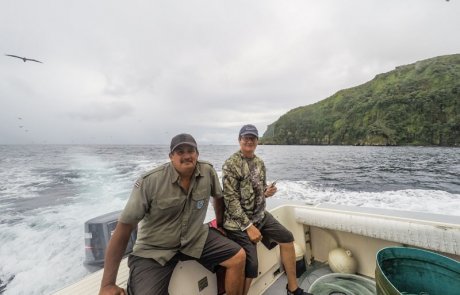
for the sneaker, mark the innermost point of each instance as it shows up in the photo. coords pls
(298, 291)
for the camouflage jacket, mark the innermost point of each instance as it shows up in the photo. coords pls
(244, 183)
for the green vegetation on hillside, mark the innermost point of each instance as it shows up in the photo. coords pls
(416, 104)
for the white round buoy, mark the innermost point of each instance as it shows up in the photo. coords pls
(342, 261)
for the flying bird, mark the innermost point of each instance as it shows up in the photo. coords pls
(24, 59)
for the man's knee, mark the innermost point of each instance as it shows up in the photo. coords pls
(252, 267)
(290, 236)
(237, 260)
(239, 257)
(287, 238)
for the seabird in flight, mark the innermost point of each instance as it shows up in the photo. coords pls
(24, 59)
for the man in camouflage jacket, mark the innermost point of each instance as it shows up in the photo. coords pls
(245, 219)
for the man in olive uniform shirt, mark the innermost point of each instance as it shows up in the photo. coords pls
(169, 206)
(245, 219)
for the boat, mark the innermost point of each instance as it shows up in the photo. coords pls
(319, 230)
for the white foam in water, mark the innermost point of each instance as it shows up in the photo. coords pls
(45, 250)
(432, 201)
(16, 185)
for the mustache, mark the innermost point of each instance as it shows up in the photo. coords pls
(186, 161)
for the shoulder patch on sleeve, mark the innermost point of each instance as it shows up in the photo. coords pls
(138, 183)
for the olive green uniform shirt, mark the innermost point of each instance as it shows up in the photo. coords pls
(170, 219)
(244, 184)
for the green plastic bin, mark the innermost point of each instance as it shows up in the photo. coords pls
(402, 270)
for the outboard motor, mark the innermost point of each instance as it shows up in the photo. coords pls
(98, 232)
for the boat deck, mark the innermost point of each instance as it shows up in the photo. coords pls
(314, 271)
(330, 283)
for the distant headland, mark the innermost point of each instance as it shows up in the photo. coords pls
(416, 104)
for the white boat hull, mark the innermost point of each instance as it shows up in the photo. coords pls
(317, 230)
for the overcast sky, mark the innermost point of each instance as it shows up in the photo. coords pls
(139, 72)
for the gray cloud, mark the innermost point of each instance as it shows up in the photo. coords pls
(140, 73)
(103, 111)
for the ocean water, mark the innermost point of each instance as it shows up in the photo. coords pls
(47, 192)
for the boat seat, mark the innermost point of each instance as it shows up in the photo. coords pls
(431, 231)
(188, 276)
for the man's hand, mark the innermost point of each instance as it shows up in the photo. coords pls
(270, 191)
(112, 290)
(113, 256)
(254, 234)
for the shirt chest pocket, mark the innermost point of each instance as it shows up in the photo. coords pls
(170, 202)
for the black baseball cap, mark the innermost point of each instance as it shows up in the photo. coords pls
(249, 129)
(181, 139)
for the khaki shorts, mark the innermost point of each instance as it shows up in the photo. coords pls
(146, 276)
(272, 233)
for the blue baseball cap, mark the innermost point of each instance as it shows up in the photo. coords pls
(249, 129)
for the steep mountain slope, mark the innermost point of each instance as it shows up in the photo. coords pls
(416, 104)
